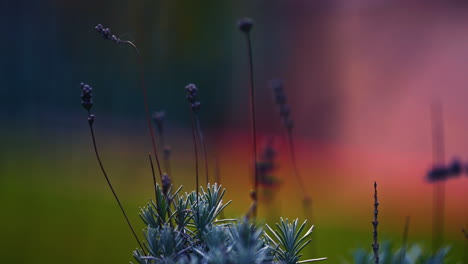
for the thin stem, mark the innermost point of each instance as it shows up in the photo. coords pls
(145, 102)
(253, 121)
(195, 149)
(375, 223)
(162, 142)
(112, 189)
(292, 151)
(154, 176)
(306, 200)
(167, 163)
(405, 240)
(202, 140)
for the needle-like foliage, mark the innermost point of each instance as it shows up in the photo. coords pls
(182, 229)
(288, 241)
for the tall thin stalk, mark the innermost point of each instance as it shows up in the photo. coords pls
(106, 33)
(245, 25)
(203, 143)
(285, 114)
(87, 103)
(159, 118)
(375, 223)
(112, 189)
(154, 176)
(147, 111)
(194, 105)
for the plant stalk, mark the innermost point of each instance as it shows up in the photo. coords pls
(145, 102)
(253, 122)
(112, 189)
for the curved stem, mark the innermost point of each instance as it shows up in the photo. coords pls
(112, 189)
(145, 102)
(202, 140)
(154, 176)
(253, 121)
(375, 223)
(292, 151)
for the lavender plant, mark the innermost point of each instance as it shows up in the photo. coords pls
(190, 232)
(187, 228)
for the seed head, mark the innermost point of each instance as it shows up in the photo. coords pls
(455, 168)
(86, 96)
(245, 24)
(281, 101)
(166, 183)
(192, 92)
(437, 173)
(106, 33)
(158, 118)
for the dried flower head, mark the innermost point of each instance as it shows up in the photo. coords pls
(245, 24)
(266, 167)
(192, 92)
(442, 172)
(281, 101)
(158, 118)
(455, 168)
(106, 33)
(86, 96)
(166, 183)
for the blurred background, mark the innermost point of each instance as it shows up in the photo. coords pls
(360, 77)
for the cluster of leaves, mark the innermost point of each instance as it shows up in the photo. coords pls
(186, 229)
(414, 254)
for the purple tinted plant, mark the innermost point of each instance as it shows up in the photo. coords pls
(375, 223)
(159, 118)
(245, 26)
(285, 114)
(194, 106)
(106, 34)
(87, 103)
(266, 167)
(194, 103)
